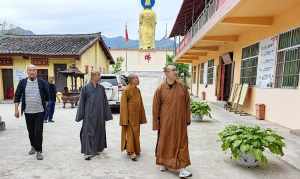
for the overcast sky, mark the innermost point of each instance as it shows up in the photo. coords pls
(86, 16)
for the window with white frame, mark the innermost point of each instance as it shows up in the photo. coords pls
(210, 72)
(194, 74)
(288, 60)
(249, 64)
(201, 73)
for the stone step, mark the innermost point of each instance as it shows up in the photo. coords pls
(6, 102)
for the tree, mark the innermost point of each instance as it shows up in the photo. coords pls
(117, 67)
(182, 69)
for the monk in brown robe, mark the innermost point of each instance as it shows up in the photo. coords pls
(171, 116)
(132, 115)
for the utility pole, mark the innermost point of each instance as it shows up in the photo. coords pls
(166, 37)
(126, 67)
(126, 48)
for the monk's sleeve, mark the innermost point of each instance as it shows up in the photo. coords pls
(124, 109)
(156, 110)
(188, 107)
(81, 106)
(107, 110)
(143, 115)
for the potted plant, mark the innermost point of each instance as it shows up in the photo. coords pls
(200, 109)
(247, 144)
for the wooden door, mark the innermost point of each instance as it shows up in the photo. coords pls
(227, 81)
(8, 83)
(42, 74)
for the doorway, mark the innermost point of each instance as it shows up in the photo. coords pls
(60, 80)
(8, 84)
(226, 76)
(42, 74)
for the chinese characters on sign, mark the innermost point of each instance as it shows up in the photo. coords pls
(266, 63)
(148, 57)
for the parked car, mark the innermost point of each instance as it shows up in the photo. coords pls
(124, 80)
(113, 88)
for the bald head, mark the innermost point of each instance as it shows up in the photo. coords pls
(95, 76)
(170, 72)
(29, 67)
(32, 72)
(133, 79)
(169, 67)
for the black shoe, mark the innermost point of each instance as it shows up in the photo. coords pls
(32, 151)
(89, 157)
(133, 157)
(51, 121)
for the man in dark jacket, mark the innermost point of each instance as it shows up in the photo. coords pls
(52, 101)
(33, 93)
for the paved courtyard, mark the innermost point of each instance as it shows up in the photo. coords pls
(64, 161)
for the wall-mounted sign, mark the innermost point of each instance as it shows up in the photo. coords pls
(6, 61)
(266, 62)
(39, 61)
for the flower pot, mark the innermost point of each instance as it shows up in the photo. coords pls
(203, 95)
(260, 111)
(197, 117)
(247, 160)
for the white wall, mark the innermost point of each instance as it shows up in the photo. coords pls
(136, 59)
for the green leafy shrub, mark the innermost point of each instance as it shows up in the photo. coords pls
(200, 108)
(242, 139)
(117, 67)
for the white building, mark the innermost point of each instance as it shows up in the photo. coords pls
(148, 62)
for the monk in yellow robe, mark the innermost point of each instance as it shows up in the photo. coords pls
(171, 117)
(132, 115)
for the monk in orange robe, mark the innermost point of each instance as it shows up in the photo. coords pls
(171, 117)
(132, 115)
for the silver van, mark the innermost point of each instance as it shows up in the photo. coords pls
(113, 88)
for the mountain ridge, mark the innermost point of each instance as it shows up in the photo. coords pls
(117, 42)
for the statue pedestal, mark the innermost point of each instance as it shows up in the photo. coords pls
(2, 125)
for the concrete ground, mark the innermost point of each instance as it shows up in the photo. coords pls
(64, 161)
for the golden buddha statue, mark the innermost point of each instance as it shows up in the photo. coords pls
(147, 24)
